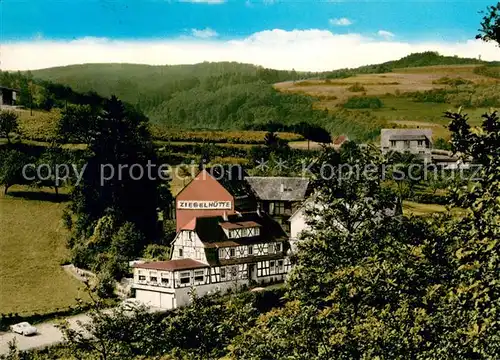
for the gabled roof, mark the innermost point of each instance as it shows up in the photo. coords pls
(407, 137)
(279, 188)
(211, 233)
(190, 225)
(404, 134)
(8, 88)
(171, 265)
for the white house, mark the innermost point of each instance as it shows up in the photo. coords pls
(215, 253)
(415, 141)
(298, 220)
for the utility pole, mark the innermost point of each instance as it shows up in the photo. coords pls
(31, 98)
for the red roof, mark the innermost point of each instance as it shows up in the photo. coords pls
(190, 225)
(172, 265)
(340, 140)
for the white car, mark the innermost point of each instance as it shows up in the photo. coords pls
(131, 304)
(24, 328)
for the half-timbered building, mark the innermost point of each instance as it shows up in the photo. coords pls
(215, 253)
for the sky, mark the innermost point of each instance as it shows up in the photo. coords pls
(313, 35)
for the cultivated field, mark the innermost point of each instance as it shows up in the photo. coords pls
(32, 246)
(388, 87)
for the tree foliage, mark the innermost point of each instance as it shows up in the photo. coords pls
(8, 124)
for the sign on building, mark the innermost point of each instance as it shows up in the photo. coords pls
(200, 205)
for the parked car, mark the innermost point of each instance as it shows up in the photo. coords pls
(24, 328)
(131, 304)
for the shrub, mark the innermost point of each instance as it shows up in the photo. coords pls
(357, 87)
(363, 102)
(156, 252)
(201, 136)
(434, 95)
(445, 80)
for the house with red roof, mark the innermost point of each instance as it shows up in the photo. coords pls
(215, 253)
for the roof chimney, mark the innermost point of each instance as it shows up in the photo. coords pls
(224, 216)
(282, 188)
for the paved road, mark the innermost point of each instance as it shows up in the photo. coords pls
(47, 335)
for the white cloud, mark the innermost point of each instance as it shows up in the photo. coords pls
(340, 22)
(385, 34)
(204, 33)
(210, 2)
(313, 49)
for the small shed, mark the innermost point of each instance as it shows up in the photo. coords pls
(8, 95)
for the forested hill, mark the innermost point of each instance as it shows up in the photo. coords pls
(146, 83)
(225, 95)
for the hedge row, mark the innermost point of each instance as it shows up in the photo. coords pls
(234, 137)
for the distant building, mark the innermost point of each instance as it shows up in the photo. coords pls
(280, 197)
(415, 141)
(339, 141)
(8, 96)
(215, 253)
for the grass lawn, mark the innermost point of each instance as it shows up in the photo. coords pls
(418, 209)
(32, 246)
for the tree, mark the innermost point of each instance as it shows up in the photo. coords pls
(490, 25)
(112, 334)
(127, 241)
(11, 170)
(120, 180)
(78, 123)
(54, 167)
(8, 123)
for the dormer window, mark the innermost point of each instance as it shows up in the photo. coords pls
(237, 231)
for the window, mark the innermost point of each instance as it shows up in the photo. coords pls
(164, 281)
(407, 144)
(420, 142)
(142, 278)
(250, 250)
(234, 271)
(198, 275)
(222, 273)
(232, 252)
(153, 279)
(185, 277)
(277, 247)
(180, 252)
(280, 265)
(271, 264)
(270, 249)
(393, 143)
(279, 208)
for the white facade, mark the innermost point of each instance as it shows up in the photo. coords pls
(236, 265)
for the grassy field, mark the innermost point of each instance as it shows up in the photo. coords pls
(417, 209)
(32, 247)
